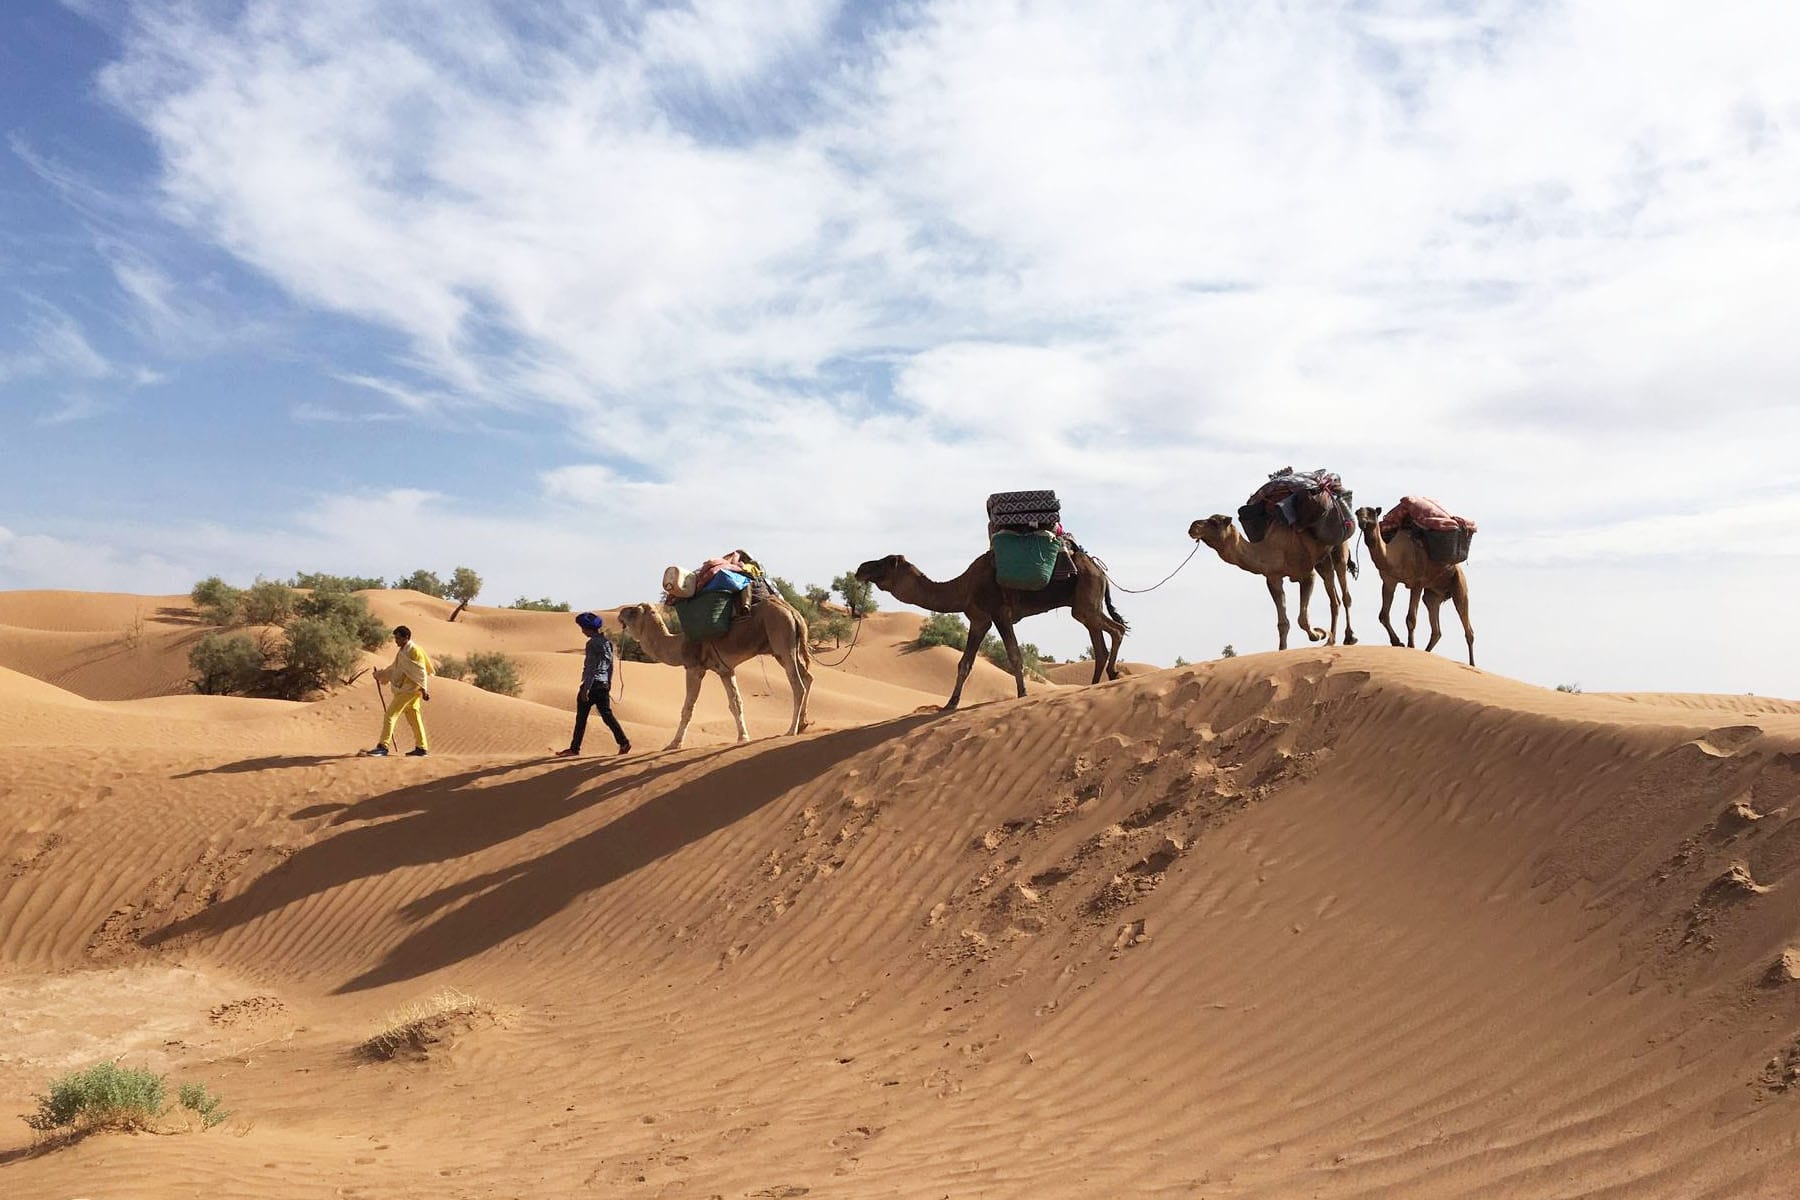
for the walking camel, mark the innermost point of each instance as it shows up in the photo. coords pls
(1404, 561)
(977, 594)
(771, 628)
(1286, 553)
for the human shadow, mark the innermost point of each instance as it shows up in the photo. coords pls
(273, 762)
(432, 821)
(499, 905)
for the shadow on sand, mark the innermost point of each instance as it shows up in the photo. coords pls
(463, 814)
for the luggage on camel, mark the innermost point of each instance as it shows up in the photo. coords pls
(1315, 502)
(708, 599)
(1026, 535)
(1446, 536)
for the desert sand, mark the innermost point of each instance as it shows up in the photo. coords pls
(1346, 922)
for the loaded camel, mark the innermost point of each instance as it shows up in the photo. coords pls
(1286, 553)
(1404, 561)
(771, 628)
(977, 594)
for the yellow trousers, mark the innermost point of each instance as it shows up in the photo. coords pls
(408, 703)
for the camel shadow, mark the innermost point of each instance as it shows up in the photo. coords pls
(499, 906)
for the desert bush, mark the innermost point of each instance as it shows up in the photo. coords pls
(995, 651)
(204, 1104)
(944, 629)
(267, 602)
(227, 665)
(1229, 651)
(317, 653)
(816, 595)
(105, 1096)
(349, 611)
(463, 587)
(452, 667)
(492, 671)
(541, 604)
(217, 601)
(629, 648)
(831, 628)
(422, 581)
(423, 1022)
(1574, 689)
(1180, 661)
(319, 580)
(801, 602)
(858, 596)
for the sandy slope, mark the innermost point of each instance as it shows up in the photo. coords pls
(1351, 922)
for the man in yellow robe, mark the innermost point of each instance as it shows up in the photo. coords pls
(410, 677)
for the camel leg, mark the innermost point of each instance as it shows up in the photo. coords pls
(978, 629)
(800, 681)
(1326, 577)
(1343, 575)
(1278, 593)
(694, 677)
(1460, 598)
(1306, 625)
(1102, 659)
(1433, 602)
(1412, 614)
(728, 677)
(1011, 642)
(1388, 588)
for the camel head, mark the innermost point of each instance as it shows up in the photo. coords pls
(881, 571)
(633, 617)
(1368, 517)
(1214, 530)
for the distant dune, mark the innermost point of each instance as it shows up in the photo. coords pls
(1349, 922)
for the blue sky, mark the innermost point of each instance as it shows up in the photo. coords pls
(369, 286)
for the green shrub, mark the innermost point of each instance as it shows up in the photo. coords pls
(541, 604)
(1229, 651)
(995, 651)
(858, 596)
(492, 671)
(944, 629)
(217, 601)
(196, 1099)
(318, 652)
(464, 586)
(422, 581)
(452, 667)
(318, 580)
(629, 649)
(803, 603)
(350, 611)
(267, 602)
(227, 665)
(105, 1096)
(832, 628)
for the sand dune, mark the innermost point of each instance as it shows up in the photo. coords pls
(1332, 922)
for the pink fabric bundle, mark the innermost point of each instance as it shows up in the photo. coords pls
(1422, 512)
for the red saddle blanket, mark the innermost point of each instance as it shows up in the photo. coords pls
(1422, 512)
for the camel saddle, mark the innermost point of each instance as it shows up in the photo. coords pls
(1445, 535)
(1316, 502)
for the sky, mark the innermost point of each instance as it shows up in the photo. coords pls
(567, 293)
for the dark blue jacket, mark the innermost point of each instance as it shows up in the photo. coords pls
(597, 666)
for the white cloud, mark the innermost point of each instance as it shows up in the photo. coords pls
(1534, 259)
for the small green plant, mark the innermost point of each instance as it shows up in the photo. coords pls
(1574, 689)
(944, 629)
(995, 651)
(1180, 661)
(833, 629)
(452, 667)
(105, 1096)
(1229, 651)
(541, 604)
(629, 648)
(204, 1104)
(859, 596)
(492, 671)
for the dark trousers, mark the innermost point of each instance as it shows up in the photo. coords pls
(596, 695)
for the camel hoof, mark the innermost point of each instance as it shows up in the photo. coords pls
(1349, 639)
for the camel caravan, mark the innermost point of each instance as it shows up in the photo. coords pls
(1299, 526)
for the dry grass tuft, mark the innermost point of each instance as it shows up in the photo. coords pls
(425, 1023)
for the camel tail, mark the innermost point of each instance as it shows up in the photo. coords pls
(1111, 611)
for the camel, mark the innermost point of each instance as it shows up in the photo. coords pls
(771, 628)
(977, 594)
(1404, 561)
(1286, 553)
